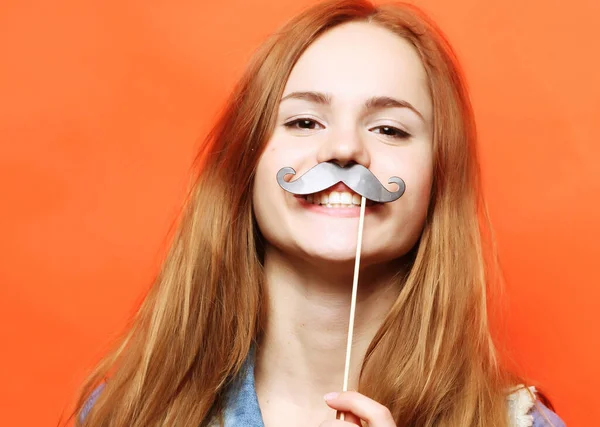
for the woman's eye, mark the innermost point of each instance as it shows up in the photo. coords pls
(303, 124)
(391, 131)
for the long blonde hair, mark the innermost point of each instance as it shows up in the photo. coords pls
(194, 329)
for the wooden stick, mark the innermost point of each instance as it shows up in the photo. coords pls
(361, 223)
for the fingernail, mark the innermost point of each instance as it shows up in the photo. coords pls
(331, 395)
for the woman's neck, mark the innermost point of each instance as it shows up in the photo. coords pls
(302, 351)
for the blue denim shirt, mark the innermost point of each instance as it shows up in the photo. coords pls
(242, 410)
(241, 407)
(241, 403)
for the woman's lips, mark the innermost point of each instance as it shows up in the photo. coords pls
(340, 212)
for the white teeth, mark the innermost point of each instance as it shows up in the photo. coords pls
(334, 199)
(346, 198)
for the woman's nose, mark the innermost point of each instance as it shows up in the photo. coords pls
(344, 148)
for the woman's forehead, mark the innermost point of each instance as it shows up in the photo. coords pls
(356, 61)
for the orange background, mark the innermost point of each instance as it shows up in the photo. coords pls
(101, 105)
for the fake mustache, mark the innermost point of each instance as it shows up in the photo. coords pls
(357, 177)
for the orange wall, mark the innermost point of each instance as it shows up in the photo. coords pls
(101, 104)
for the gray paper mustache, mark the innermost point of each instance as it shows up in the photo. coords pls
(357, 177)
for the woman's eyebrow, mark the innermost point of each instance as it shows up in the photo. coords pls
(380, 102)
(315, 97)
(373, 103)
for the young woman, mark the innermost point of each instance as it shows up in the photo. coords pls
(247, 322)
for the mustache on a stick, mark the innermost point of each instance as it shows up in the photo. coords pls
(357, 177)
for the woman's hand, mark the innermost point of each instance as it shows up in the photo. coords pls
(357, 407)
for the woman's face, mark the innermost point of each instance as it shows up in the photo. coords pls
(358, 94)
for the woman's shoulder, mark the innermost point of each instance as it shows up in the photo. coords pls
(526, 410)
(541, 415)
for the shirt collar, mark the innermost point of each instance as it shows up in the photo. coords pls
(241, 402)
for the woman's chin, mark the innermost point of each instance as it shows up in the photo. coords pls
(331, 257)
(344, 257)
(339, 259)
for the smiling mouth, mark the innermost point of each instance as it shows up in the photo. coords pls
(336, 199)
